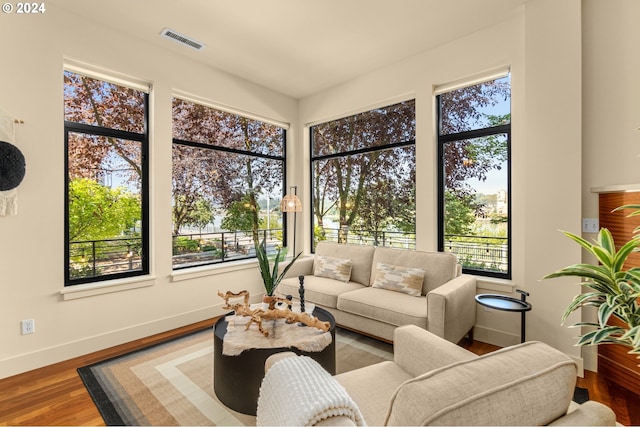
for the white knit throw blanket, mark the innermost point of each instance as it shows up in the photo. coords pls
(297, 391)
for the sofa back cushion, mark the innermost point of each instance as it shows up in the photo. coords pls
(527, 384)
(439, 267)
(360, 256)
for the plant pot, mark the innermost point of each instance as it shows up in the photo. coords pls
(269, 302)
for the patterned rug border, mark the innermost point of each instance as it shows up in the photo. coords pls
(100, 397)
(115, 415)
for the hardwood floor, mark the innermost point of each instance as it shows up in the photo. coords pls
(55, 395)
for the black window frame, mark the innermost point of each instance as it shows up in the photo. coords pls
(442, 140)
(143, 139)
(313, 158)
(219, 148)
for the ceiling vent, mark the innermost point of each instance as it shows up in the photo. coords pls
(182, 39)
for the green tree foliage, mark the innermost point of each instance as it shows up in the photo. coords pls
(460, 216)
(241, 215)
(97, 212)
(198, 213)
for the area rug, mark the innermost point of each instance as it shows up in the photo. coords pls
(172, 383)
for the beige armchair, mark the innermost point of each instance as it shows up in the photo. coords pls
(435, 382)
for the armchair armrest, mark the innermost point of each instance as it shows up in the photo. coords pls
(418, 351)
(302, 267)
(451, 308)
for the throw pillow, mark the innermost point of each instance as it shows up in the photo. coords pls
(332, 268)
(399, 279)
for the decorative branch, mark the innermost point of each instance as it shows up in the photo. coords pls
(258, 315)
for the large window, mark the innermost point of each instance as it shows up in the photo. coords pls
(474, 137)
(363, 177)
(106, 220)
(228, 179)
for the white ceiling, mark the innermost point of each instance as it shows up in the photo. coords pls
(297, 47)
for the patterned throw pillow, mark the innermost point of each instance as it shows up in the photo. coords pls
(399, 279)
(332, 268)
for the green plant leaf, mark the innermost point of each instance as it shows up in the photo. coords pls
(579, 301)
(270, 276)
(604, 313)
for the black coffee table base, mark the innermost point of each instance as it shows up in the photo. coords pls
(237, 379)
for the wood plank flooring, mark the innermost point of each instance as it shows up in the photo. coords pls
(55, 395)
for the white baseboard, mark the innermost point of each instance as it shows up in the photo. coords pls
(18, 364)
(494, 336)
(504, 339)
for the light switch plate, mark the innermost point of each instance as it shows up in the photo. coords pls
(590, 225)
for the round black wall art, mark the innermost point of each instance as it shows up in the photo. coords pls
(12, 166)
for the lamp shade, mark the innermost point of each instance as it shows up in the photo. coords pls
(291, 203)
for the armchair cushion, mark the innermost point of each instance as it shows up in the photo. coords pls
(528, 384)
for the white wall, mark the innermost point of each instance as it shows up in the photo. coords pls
(541, 44)
(611, 102)
(31, 253)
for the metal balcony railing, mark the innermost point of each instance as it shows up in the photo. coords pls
(93, 258)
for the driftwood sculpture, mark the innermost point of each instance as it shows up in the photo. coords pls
(258, 315)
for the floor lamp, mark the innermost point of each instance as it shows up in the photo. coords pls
(291, 203)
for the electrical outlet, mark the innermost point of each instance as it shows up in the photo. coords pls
(28, 326)
(590, 225)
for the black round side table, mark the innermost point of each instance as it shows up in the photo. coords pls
(506, 303)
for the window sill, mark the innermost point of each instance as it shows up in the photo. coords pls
(496, 285)
(212, 270)
(93, 289)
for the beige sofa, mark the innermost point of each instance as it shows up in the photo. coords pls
(445, 303)
(434, 382)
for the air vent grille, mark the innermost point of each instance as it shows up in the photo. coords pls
(180, 38)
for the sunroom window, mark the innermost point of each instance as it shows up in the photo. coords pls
(363, 177)
(228, 179)
(106, 185)
(474, 140)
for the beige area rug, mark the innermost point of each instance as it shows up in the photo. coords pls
(172, 383)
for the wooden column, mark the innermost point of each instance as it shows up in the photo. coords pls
(614, 363)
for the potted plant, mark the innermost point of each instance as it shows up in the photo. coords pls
(270, 275)
(611, 288)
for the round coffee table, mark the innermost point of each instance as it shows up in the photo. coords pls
(237, 379)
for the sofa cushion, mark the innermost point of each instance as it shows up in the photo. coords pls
(360, 256)
(332, 268)
(527, 384)
(399, 279)
(439, 267)
(318, 290)
(386, 306)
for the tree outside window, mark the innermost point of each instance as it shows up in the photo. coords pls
(474, 129)
(106, 185)
(363, 173)
(228, 179)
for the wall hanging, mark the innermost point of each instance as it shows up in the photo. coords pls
(12, 165)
